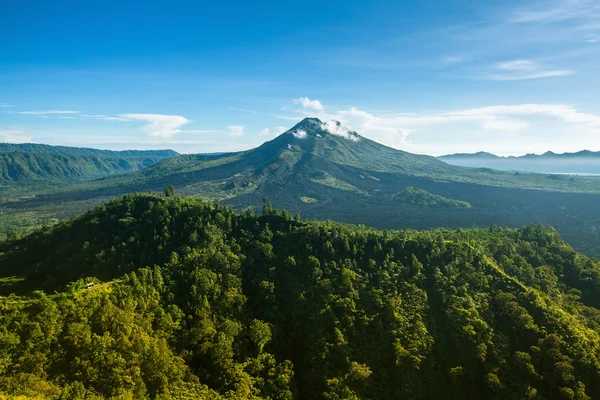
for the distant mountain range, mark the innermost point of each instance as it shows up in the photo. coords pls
(582, 162)
(38, 162)
(325, 171)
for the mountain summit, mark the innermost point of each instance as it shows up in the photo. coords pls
(314, 127)
(305, 133)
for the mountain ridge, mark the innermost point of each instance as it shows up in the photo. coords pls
(581, 162)
(82, 151)
(47, 164)
(580, 153)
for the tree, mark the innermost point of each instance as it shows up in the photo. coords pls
(169, 191)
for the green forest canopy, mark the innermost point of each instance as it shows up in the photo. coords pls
(192, 300)
(425, 199)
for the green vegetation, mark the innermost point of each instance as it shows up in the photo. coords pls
(309, 200)
(83, 151)
(422, 198)
(331, 181)
(192, 300)
(35, 162)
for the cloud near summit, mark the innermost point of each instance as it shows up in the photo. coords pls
(308, 104)
(335, 128)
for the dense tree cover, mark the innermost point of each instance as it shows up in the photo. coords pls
(192, 300)
(425, 199)
(83, 151)
(33, 170)
(21, 167)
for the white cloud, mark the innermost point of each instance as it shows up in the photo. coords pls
(158, 124)
(592, 39)
(554, 29)
(310, 111)
(299, 134)
(551, 22)
(565, 112)
(308, 104)
(106, 117)
(200, 131)
(120, 119)
(48, 112)
(242, 110)
(490, 118)
(455, 59)
(558, 11)
(524, 69)
(517, 65)
(269, 133)
(335, 128)
(504, 124)
(15, 136)
(391, 130)
(235, 130)
(294, 118)
(553, 14)
(5, 105)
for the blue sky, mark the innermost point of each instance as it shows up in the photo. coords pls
(433, 77)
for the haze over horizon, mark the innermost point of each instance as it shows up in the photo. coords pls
(428, 77)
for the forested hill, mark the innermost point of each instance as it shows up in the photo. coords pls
(84, 151)
(192, 300)
(31, 163)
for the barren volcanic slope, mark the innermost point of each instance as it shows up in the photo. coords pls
(324, 171)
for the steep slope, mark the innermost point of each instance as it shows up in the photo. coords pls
(25, 163)
(306, 141)
(327, 172)
(192, 300)
(23, 167)
(582, 162)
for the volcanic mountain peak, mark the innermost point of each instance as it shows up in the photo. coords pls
(314, 127)
(308, 124)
